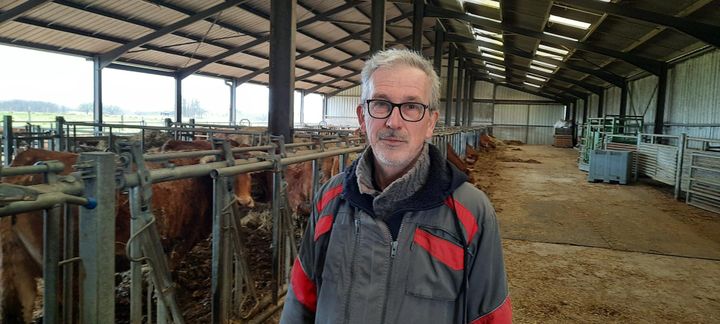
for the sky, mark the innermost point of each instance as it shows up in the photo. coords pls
(67, 80)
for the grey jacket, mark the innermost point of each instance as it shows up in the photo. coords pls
(446, 265)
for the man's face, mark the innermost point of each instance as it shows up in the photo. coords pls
(397, 142)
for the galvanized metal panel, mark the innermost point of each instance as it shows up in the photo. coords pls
(539, 135)
(612, 101)
(512, 94)
(545, 115)
(511, 115)
(341, 110)
(642, 99)
(482, 113)
(483, 90)
(693, 86)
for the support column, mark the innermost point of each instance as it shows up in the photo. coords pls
(282, 67)
(439, 39)
(417, 31)
(97, 94)
(233, 100)
(601, 99)
(573, 122)
(661, 100)
(466, 97)
(97, 238)
(471, 103)
(449, 85)
(586, 110)
(568, 110)
(302, 107)
(623, 99)
(178, 100)
(459, 88)
(377, 26)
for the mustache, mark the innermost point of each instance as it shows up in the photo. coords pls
(391, 134)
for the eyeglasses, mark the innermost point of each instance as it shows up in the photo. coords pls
(409, 111)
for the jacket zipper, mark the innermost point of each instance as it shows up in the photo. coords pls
(352, 271)
(393, 253)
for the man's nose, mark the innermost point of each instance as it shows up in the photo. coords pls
(395, 119)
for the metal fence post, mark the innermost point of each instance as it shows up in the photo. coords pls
(97, 238)
(680, 160)
(7, 140)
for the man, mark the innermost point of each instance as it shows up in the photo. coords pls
(399, 237)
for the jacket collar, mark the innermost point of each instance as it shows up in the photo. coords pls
(442, 180)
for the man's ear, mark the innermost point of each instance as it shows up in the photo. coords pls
(434, 115)
(361, 118)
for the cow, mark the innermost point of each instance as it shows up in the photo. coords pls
(455, 159)
(182, 209)
(471, 155)
(243, 181)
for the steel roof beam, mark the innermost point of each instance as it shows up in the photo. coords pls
(348, 38)
(20, 9)
(603, 75)
(705, 32)
(112, 55)
(332, 66)
(187, 71)
(649, 65)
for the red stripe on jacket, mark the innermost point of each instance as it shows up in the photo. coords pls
(501, 315)
(446, 252)
(329, 195)
(324, 224)
(304, 288)
(466, 217)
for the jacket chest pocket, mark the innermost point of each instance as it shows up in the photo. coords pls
(436, 264)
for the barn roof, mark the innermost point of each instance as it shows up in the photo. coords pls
(561, 48)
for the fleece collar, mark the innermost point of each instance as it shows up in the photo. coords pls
(443, 176)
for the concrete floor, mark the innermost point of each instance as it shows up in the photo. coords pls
(580, 252)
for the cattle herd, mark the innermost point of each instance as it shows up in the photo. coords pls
(182, 208)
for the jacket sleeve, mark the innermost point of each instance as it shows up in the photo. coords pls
(488, 299)
(301, 298)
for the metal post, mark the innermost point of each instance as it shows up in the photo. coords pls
(377, 26)
(459, 89)
(51, 259)
(661, 99)
(417, 31)
(437, 58)
(680, 161)
(97, 94)
(449, 85)
(178, 99)
(8, 140)
(600, 111)
(59, 143)
(97, 238)
(282, 67)
(302, 108)
(233, 101)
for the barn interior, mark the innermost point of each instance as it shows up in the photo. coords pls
(592, 125)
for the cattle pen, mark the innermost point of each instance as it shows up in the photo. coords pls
(126, 173)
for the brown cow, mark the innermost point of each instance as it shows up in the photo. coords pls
(243, 181)
(182, 208)
(471, 155)
(455, 159)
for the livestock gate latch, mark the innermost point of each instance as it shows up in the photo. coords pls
(130, 154)
(11, 193)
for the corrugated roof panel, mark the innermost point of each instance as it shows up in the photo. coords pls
(195, 5)
(329, 31)
(218, 69)
(159, 58)
(246, 20)
(248, 60)
(141, 10)
(216, 33)
(90, 22)
(305, 43)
